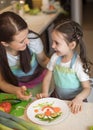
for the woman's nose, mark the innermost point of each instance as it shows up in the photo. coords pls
(27, 41)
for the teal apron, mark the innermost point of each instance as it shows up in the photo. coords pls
(66, 80)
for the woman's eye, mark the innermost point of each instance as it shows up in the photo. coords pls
(22, 42)
(56, 43)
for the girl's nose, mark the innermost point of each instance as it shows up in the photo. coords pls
(53, 45)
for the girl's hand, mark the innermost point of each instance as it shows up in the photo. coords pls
(41, 95)
(75, 105)
(21, 93)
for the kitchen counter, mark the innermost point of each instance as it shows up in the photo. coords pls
(39, 23)
(80, 121)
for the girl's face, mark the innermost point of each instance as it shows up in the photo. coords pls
(19, 41)
(59, 44)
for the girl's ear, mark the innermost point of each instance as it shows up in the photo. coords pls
(72, 45)
(5, 44)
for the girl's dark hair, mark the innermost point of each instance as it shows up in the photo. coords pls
(10, 25)
(72, 31)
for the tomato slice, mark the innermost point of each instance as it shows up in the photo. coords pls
(6, 106)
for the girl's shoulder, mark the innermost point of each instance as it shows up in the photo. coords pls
(78, 60)
(78, 67)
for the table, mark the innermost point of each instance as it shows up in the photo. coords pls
(81, 121)
(39, 23)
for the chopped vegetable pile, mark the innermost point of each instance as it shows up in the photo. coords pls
(47, 112)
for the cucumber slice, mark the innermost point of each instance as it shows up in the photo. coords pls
(12, 101)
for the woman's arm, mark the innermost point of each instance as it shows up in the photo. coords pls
(9, 88)
(42, 59)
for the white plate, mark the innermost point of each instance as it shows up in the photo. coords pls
(38, 105)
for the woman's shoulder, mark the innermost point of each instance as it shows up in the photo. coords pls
(53, 58)
(35, 43)
(33, 35)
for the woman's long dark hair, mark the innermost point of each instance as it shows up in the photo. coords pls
(72, 31)
(10, 25)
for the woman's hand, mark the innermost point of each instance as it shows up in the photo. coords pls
(21, 93)
(75, 105)
(41, 95)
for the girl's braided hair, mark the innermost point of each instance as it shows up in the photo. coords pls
(72, 31)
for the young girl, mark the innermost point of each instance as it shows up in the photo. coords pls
(22, 57)
(69, 69)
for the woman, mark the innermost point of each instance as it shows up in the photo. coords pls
(20, 52)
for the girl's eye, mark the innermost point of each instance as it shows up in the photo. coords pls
(22, 42)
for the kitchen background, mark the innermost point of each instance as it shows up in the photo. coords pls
(88, 33)
(87, 23)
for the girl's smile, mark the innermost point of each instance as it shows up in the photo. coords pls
(59, 44)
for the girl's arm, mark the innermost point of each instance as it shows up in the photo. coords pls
(86, 90)
(45, 85)
(46, 82)
(9, 88)
(76, 103)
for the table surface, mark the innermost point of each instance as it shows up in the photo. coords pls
(80, 121)
(39, 23)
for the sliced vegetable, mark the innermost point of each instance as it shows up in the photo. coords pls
(40, 116)
(3, 127)
(12, 101)
(7, 96)
(19, 108)
(11, 124)
(48, 117)
(56, 109)
(6, 106)
(36, 110)
(27, 92)
(49, 113)
(25, 124)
